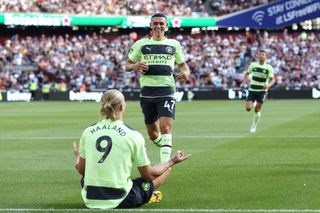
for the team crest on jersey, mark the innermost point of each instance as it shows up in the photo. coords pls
(169, 50)
(145, 186)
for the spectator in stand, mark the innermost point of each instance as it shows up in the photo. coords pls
(97, 59)
(106, 7)
(130, 7)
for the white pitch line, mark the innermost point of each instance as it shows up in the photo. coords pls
(159, 210)
(241, 136)
(179, 137)
(39, 138)
(182, 137)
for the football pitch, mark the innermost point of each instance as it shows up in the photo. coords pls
(277, 169)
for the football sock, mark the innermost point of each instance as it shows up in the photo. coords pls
(158, 140)
(166, 147)
(256, 118)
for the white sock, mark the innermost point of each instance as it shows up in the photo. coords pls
(158, 140)
(256, 118)
(166, 147)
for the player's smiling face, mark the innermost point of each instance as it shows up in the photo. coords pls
(262, 57)
(158, 26)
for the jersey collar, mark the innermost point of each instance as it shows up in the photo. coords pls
(165, 38)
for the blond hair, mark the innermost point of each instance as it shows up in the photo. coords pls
(110, 104)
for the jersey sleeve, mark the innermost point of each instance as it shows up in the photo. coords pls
(271, 72)
(81, 147)
(135, 52)
(140, 157)
(250, 68)
(179, 54)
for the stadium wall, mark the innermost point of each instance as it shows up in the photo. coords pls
(133, 94)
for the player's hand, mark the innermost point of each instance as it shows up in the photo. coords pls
(266, 87)
(141, 67)
(180, 156)
(76, 149)
(182, 76)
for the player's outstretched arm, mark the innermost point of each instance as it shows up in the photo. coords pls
(179, 157)
(150, 173)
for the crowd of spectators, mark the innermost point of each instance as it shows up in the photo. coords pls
(215, 60)
(129, 7)
(223, 7)
(220, 60)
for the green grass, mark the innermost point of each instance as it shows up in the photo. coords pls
(276, 168)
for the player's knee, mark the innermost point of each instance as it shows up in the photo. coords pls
(258, 108)
(153, 135)
(166, 129)
(248, 106)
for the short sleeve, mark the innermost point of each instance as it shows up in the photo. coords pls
(135, 52)
(140, 156)
(271, 72)
(179, 54)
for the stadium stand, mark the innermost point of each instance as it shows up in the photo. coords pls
(216, 60)
(89, 61)
(222, 7)
(130, 7)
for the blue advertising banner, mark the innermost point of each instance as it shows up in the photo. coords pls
(274, 15)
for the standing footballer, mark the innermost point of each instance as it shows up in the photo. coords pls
(154, 59)
(262, 79)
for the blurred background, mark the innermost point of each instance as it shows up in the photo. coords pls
(55, 49)
(74, 50)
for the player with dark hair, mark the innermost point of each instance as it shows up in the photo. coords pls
(262, 79)
(154, 58)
